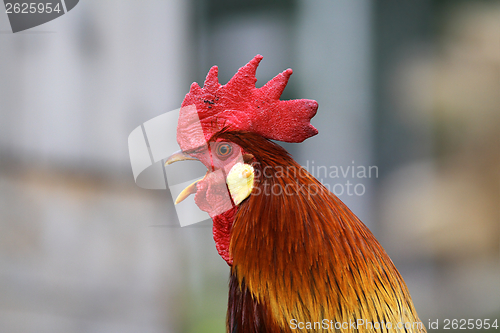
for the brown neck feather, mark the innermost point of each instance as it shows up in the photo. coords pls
(302, 254)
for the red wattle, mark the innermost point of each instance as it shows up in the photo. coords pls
(222, 226)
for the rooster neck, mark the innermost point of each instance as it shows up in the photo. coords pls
(301, 254)
(304, 255)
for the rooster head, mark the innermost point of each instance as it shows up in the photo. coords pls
(237, 106)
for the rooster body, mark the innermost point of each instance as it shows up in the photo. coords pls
(300, 260)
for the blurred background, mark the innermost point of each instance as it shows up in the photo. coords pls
(411, 88)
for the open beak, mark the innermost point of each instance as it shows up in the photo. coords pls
(191, 189)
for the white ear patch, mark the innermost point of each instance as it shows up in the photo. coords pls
(240, 181)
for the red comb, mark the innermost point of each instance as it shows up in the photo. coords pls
(239, 105)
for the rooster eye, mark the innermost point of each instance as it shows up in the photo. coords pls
(223, 150)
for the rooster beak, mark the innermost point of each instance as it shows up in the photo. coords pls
(178, 156)
(182, 156)
(191, 189)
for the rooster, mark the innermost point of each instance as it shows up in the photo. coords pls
(300, 260)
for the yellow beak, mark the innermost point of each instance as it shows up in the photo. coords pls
(182, 156)
(178, 156)
(191, 189)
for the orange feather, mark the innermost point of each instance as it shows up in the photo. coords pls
(301, 256)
